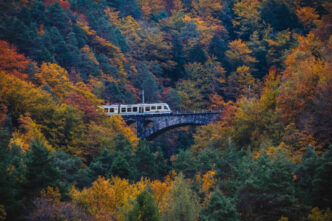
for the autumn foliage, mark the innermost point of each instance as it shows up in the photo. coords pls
(264, 66)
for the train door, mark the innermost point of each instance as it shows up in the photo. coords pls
(140, 109)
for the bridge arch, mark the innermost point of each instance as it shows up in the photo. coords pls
(150, 126)
(150, 133)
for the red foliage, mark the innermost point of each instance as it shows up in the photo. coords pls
(64, 3)
(81, 103)
(11, 62)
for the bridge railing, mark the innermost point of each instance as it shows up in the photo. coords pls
(196, 111)
(177, 112)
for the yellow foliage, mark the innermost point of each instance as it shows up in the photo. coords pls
(113, 16)
(320, 215)
(55, 77)
(86, 49)
(116, 56)
(247, 14)
(3, 212)
(270, 90)
(162, 192)
(239, 53)
(204, 135)
(118, 125)
(28, 130)
(208, 8)
(51, 193)
(208, 182)
(282, 218)
(191, 98)
(108, 199)
(273, 151)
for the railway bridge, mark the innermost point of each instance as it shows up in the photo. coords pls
(151, 125)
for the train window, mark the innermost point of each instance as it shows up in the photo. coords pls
(129, 109)
(123, 109)
(153, 107)
(134, 109)
(106, 109)
(165, 107)
(159, 107)
(112, 110)
(147, 108)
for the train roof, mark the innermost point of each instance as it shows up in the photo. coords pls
(141, 104)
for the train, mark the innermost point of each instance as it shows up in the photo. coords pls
(136, 109)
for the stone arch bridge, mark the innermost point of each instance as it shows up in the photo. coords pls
(163, 122)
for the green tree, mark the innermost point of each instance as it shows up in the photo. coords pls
(219, 207)
(184, 205)
(305, 173)
(40, 170)
(145, 162)
(12, 175)
(322, 181)
(185, 163)
(269, 192)
(145, 208)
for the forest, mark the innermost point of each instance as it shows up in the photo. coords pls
(266, 64)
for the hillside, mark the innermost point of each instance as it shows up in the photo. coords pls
(265, 63)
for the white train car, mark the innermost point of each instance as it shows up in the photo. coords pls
(136, 109)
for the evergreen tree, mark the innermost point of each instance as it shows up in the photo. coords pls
(145, 208)
(269, 193)
(197, 54)
(70, 170)
(145, 162)
(220, 208)
(305, 173)
(120, 166)
(101, 165)
(12, 174)
(322, 181)
(123, 159)
(40, 170)
(185, 163)
(58, 18)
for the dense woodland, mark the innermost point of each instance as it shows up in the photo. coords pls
(267, 64)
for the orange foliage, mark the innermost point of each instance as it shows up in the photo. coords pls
(207, 26)
(12, 62)
(304, 95)
(149, 7)
(162, 192)
(303, 73)
(307, 15)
